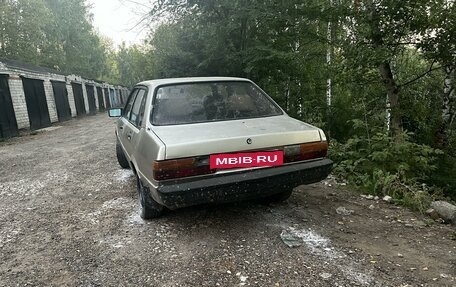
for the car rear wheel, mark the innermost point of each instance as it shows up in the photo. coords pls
(123, 162)
(149, 207)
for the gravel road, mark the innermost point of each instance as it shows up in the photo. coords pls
(69, 217)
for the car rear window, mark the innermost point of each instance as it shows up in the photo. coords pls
(210, 101)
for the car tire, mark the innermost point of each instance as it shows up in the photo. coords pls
(121, 159)
(279, 197)
(149, 207)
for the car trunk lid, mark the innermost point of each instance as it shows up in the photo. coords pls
(232, 136)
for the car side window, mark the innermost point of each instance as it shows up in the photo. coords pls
(135, 116)
(129, 104)
(141, 110)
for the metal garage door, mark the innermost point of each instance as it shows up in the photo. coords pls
(61, 100)
(108, 102)
(120, 97)
(37, 107)
(78, 99)
(112, 98)
(8, 124)
(101, 105)
(91, 99)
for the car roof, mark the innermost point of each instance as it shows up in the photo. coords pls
(157, 82)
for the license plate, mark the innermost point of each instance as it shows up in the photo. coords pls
(246, 159)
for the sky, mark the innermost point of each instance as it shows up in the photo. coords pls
(116, 19)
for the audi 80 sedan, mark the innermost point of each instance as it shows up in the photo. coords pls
(214, 139)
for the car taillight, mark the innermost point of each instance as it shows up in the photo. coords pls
(178, 168)
(305, 151)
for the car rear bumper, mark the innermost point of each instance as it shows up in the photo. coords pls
(239, 186)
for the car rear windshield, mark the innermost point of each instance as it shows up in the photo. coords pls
(210, 101)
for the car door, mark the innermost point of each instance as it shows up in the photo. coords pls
(134, 122)
(122, 124)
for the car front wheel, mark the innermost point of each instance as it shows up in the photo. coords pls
(149, 207)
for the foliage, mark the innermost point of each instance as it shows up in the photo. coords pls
(280, 45)
(22, 25)
(384, 165)
(54, 33)
(366, 160)
(134, 64)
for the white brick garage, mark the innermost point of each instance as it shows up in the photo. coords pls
(34, 97)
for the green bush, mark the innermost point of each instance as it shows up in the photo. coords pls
(383, 165)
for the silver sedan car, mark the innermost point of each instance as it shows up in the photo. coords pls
(214, 139)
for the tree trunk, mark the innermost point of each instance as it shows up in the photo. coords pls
(2, 27)
(328, 63)
(392, 91)
(388, 115)
(287, 95)
(329, 85)
(448, 97)
(448, 112)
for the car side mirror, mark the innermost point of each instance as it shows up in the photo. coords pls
(115, 113)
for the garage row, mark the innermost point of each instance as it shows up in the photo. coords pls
(34, 97)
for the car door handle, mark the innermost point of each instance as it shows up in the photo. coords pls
(121, 127)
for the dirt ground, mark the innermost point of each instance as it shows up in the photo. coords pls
(69, 217)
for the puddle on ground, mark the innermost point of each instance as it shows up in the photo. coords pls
(133, 219)
(321, 246)
(123, 175)
(118, 203)
(33, 187)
